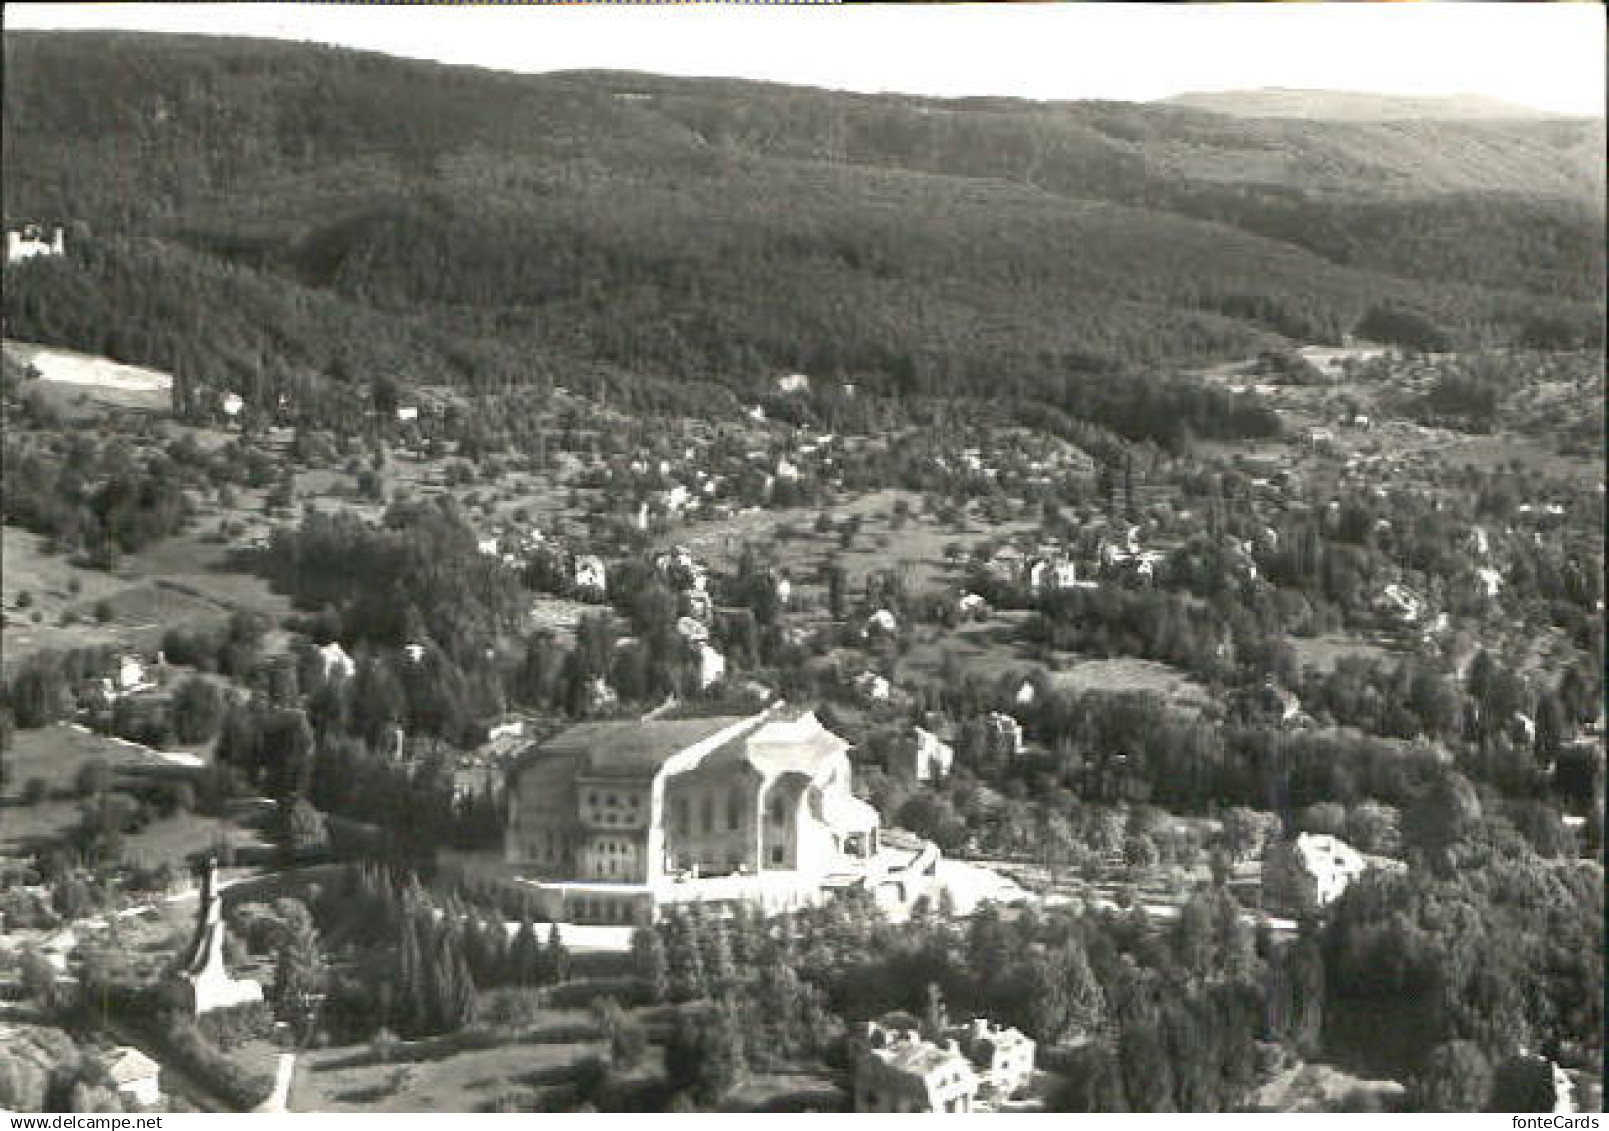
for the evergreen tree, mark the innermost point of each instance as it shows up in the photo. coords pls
(299, 976)
(556, 958)
(651, 964)
(524, 962)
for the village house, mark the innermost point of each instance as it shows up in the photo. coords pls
(1002, 1056)
(590, 576)
(882, 623)
(919, 755)
(898, 1071)
(1051, 575)
(1309, 871)
(335, 663)
(710, 665)
(610, 822)
(134, 1075)
(872, 687)
(30, 241)
(1002, 732)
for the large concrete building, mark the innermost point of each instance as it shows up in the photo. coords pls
(611, 821)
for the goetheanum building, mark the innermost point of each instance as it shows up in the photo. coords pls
(610, 821)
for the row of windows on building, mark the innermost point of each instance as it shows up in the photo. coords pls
(707, 865)
(736, 809)
(594, 910)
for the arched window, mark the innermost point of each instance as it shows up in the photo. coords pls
(706, 814)
(734, 808)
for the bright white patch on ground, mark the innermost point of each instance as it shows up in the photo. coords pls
(68, 368)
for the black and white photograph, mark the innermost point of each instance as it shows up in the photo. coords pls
(802, 558)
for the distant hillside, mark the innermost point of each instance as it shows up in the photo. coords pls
(245, 207)
(1343, 105)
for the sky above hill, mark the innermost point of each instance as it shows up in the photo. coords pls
(1546, 56)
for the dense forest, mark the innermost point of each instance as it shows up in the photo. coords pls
(272, 217)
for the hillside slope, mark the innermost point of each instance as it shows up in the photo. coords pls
(241, 205)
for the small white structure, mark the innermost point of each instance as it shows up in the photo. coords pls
(1003, 733)
(793, 383)
(232, 404)
(872, 687)
(1309, 871)
(971, 605)
(711, 665)
(406, 413)
(415, 653)
(882, 623)
(134, 1075)
(131, 675)
(30, 242)
(1050, 575)
(692, 630)
(1401, 602)
(335, 662)
(677, 499)
(921, 756)
(590, 575)
(514, 728)
(1491, 582)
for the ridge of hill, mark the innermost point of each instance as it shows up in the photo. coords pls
(1355, 105)
(242, 205)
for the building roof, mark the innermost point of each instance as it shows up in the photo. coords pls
(922, 1059)
(126, 1065)
(847, 813)
(1318, 853)
(633, 748)
(797, 745)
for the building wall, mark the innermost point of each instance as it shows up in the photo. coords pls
(618, 857)
(783, 804)
(544, 828)
(143, 1091)
(711, 821)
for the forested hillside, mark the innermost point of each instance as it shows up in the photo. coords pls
(241, 208)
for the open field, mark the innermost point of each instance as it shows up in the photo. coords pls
(193, 564)
(918, 547)
(988, 648)
(182, 581)
(77, 383)
(434, 1076)
(1129, 674)
(55, 754)
(1322, 653)
(1320, 1087)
